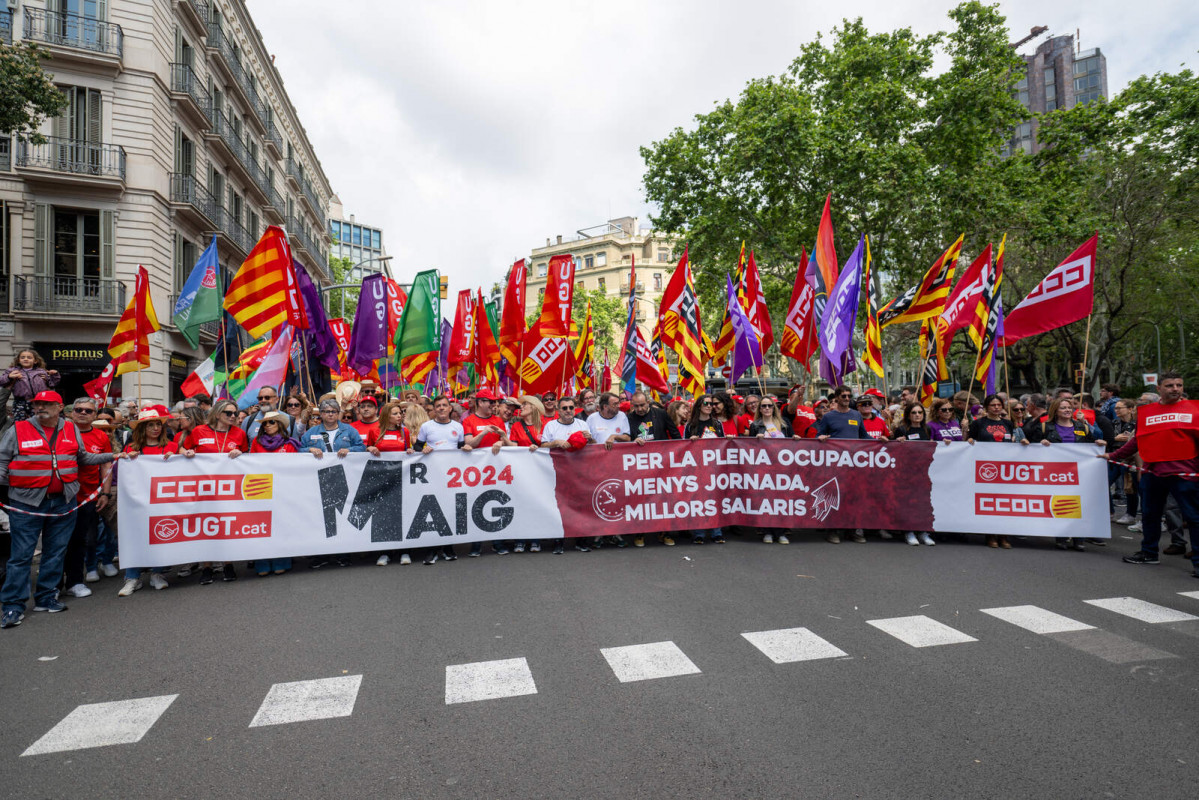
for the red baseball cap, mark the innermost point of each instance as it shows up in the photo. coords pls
(484, 394)
(47, 397)
(874, 393)
(369, 398)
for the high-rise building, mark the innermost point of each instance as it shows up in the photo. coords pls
(602, 256)
(1057, 75)
(178, 128)
(361, 244)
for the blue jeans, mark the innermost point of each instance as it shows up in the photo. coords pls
(713, 534)
(55, 533)
(133, 573)
(1154, 491)
(106, 547)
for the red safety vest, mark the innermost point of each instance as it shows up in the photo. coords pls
(39, 458)
(1168, 433)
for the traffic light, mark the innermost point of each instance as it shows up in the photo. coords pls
(444, 281)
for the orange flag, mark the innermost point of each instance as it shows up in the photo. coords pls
(559, 294)
(130, 345)
(512, 322)
(263, 295)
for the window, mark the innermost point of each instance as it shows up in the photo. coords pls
(377, 240)
(663, 254)
(579, 286)
(657, 281)
(185, 158)
(542, 269)
(1050, 94)
(603, 284)
(76, 252)
(184, 264)
(235, 205)
(601, 259)
(335, 230)
(252, 223)
(1048, 75)
(357, 234)
(1086, 83)
(578, 261)
(588, 262)
(216, 185)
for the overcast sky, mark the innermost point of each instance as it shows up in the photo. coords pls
(471, 131)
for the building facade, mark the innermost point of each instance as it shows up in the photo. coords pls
(361, 244)
(603, 255)
(178, 129)
(1057, 75)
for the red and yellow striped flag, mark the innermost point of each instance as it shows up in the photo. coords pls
(130, 344)
(873, 356)
(927, 299)
(258, 294)
(585, 353)
(414, 368)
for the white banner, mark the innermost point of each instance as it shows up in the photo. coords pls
(213, 508)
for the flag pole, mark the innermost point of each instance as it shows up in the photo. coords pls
(1085, 350)
(1007, 386)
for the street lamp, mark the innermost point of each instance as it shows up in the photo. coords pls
(344, 286)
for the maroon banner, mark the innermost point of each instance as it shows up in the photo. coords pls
(708, 483)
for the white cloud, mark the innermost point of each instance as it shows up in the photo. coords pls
(471, 131)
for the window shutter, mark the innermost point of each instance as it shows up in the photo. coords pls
(60, 127)
(177, 250)
(178, 45)
(43, 215)
(107, 243)
(178, 149)
(94, 117)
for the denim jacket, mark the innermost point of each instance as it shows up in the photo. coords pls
(344, 437)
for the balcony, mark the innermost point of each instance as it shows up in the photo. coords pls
(68, 295)
(273, 140)
(193, 200)
(317, 254)
(195, 12)
(62, 160)
(5, 26)
(190, 95)
(208, 330)
(296, 173)
(219, 42)
(233, 231)
(77, 38)
(235, 148)
(275, 207)
(624, 287)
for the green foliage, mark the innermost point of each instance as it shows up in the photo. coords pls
(27, 95)
(341, 302)
(914, 156)
(608, 318)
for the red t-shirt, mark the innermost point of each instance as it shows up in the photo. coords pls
(204, 439)
(743, 422)
(876, 428)
(170, 448)
(518, 435)
(94, 441)
(473, 424)
(393, 441)
(365, 428)
(730, 427)
(286, 447)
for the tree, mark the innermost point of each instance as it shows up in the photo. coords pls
(27, 95)
(345, 302)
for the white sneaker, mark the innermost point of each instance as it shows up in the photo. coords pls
(885, 535)
(535, 547)
(405, 559)
(767, 538)
(926, 539)
(79, 590)
(158, 582)
(383, 560)
(783, 539)
(1135, 527)
(131, 586)
(92, 576)
(1127, 519)
(108, 570)
(910, 538)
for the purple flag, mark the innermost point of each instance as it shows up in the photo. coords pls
(439, 375)
(993, 368)
(747, 352)
(317, 339)
(840, 318)
(368, 337)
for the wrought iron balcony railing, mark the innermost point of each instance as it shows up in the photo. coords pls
(68, 294)
(73, 156)
(73, 30)
(186, 189)
(184, 80)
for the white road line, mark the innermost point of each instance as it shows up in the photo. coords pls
(488, 680)
(642, 662)
(1192, 595)
(793, 644)
(920, 631)
(102, 724)
(1037, 619)
(1140, 609)
(301, 701)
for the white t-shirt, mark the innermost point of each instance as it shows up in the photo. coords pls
(555, 430)
(604, 429)
(441, 436)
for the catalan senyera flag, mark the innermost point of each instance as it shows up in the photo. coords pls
(961, 307)
(873, 357)
(927, 299)
(681, 326)
(487, 351)
(585, 353)
(418, 336)
(756, 308)
(130, 344)
(260, 296)
(512, 320)
(988, 317)
(932, 355)
(559, 295)
(658, 351)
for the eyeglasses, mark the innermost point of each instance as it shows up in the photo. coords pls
(766, 405)
(1018, 410)
(293, 405)
(228, 413)
(847, 394)
(79, 410)
(706, 403)
(945, 410)
(264, 398)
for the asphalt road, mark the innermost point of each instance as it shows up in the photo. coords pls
(1103, 712)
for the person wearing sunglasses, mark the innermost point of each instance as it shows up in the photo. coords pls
(942, 423)
(268, 401)
(704, 425)
(769, 424)
(842, 421)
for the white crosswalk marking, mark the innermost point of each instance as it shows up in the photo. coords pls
(301, 701)
(1192, 595)
(1140, 609)
(102, 724)
(488, 680)
(793, 644)
(920, 631)
(1037, 619)
(642, 662)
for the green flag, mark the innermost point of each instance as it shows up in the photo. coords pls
(419, 330)
(200, 300)
(493, 317)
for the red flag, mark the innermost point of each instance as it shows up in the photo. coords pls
(396, 298)
(462, 340)
(959, 309)
(647, 367)
(98, 389)
(1065, 295)
(487, 351)
(512, 321)
(758, 312)
(130, 344)
(799, 329)
(547, 360)
(559, 294)
(606, 376)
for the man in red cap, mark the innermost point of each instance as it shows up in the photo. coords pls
(39, 473)
(550, 401)
(368, 417)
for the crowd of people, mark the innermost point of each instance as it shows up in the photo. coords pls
(59, 466)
